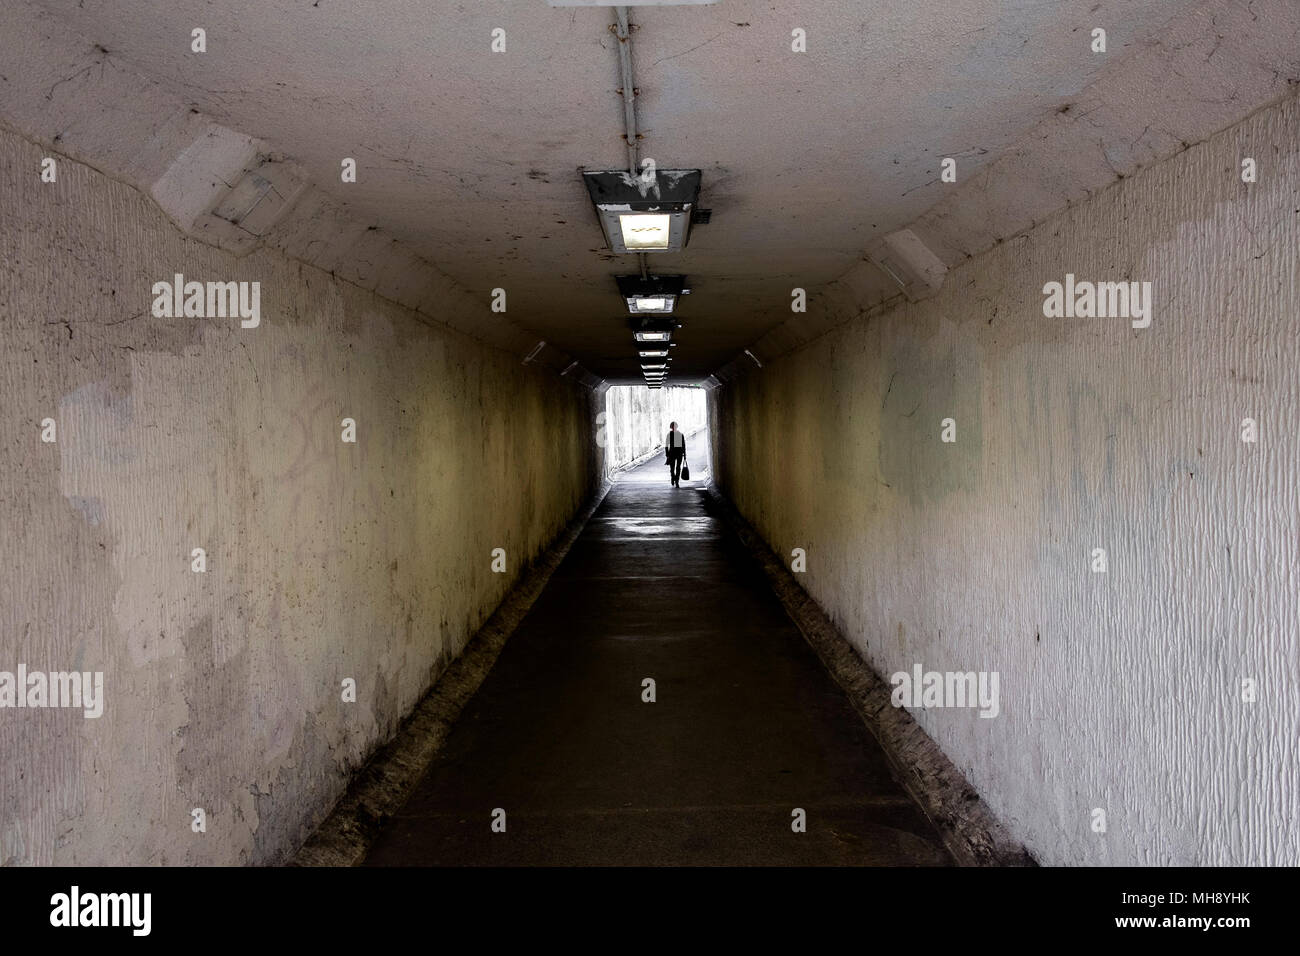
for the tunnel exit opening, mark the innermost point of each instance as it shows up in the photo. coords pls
(634, 426)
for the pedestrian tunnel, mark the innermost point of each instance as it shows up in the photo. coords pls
(337, 520)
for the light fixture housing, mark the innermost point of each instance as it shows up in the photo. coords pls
(644, 212)
(653, 295)
(653, 328)
(653, 353)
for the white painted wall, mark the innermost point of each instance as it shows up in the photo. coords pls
(325, 560)
(637, 419)
(1121, 690)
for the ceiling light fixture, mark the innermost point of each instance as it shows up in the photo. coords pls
(652, 328)
(648, 211)
(654, 353)
(652, 295)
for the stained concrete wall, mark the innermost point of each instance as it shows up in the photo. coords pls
(637, 418)
(1122, 690)
(325, 560)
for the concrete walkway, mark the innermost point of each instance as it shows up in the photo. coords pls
(746, 727)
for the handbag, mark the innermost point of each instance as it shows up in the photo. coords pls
(686, 472)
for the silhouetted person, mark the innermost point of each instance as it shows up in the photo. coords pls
(675, 446)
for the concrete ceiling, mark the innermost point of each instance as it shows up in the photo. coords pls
(471, 159)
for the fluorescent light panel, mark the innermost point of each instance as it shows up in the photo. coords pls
(652, 304)
(645, 232)
(628, 232)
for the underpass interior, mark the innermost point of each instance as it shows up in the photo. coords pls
(592, 765)
(339, 351)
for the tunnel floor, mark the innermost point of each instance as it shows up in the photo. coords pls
(746, 727)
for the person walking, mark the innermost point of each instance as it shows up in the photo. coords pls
(675, 447)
